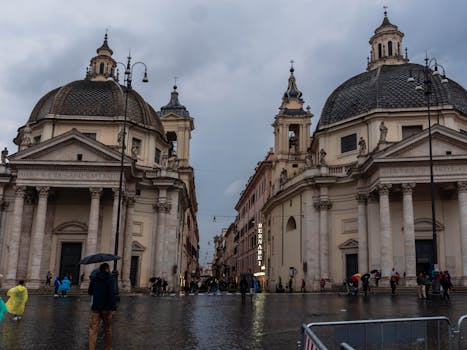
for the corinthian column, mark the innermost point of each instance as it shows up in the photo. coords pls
(163, 209)
(15, 236)
(38, 238)
(93, 226)
(114, 219)
(385, 230)
(128, 242)
(362, 233)
(462, 199)
(409, 230)
(324, 205)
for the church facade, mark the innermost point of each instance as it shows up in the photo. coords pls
(355, 195)
(60, 190)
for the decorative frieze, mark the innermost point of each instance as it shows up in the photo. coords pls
(383, 189)
(408, 187)
(162, 207)
(462, 186)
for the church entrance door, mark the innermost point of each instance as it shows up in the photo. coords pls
(351, 265)
(134, 270)
(424, 254)
(70, 257)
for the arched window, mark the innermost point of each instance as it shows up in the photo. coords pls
(101, 68)
(380, 51)
(291, 224)
(390, 48)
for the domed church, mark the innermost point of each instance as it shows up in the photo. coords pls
(355, 196)
(60, 191)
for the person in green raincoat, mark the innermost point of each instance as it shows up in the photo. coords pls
(18, 298)
(3, 308)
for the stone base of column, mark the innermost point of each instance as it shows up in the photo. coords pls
(9, 283)
(125, 286)
(384, 282)
(463, 281)
(410, 281)
(34, 284)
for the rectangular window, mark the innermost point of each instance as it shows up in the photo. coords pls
(37, 139)
(136, 146)
(409, 130)
(157, 156)
(348, 143)
(91, 135)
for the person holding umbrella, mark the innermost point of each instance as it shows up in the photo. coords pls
(103, 306)
(354, 280)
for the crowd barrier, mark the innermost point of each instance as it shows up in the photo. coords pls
(427, 333)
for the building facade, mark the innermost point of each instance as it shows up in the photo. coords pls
(59, 192)
(249, 238)
(356, 197)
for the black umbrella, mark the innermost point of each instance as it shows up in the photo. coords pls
(98, 258)
(367, 275)
(373, 271)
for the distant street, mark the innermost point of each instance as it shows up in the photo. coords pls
(272, 321)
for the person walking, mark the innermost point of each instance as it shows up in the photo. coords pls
(446, 284)
(377, 278)
(393, 282)
(64, 286)
(17, 302)
(103, 307)
(243, 288)
(302, 289)
(366, 283)
(322, 284)
(421, 286)
(57, 284)
(48, 279)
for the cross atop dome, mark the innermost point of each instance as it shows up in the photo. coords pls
(386, 45)
(102, 66)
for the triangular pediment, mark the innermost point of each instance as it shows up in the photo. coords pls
(349, 244)
(173, 116)
(71, 146)
(445, 142)
(137, 247)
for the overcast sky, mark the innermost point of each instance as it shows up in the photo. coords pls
(231, 57)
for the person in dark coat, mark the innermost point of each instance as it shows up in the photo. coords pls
(445, 282)
(243, 288)
(103, 306)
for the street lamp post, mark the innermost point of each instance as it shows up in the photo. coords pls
(429, 72)
(128, 75)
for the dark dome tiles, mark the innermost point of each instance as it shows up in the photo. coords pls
(387, 87)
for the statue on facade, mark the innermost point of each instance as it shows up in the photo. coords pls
(361, 146)
(322, 157)
(383, 132)
(283, 176)
(26, 136)
(308, 159)
(134, 151)
(164, 160)
(120, 137)
(5, 156)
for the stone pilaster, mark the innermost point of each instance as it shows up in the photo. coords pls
(93, 227)
(324, 206)
(462, 199)
(409, 233)
(387, 256)
(114, 219)
(163, 209)
(362, 233)
(128, 242)
(37, 245)
(3, 216)
(15, 236)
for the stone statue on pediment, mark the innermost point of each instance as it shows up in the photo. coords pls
(361, 146)
(322, 157)
(383, 132)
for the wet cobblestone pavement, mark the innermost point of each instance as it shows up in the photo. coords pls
(272, 321)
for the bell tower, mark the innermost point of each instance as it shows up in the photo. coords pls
(178, 125)
(292, 125)
(102, 66)
(386, 45)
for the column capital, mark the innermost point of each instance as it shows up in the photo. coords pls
(162, 206)
(361, 197)
(43, 191)
(96, 192)
(407, 188)
(325, 204)
(130, 201)
(462, 186)
(20, 191)
(383, 189)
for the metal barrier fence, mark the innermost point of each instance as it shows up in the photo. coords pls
(398, 333)
(461, 344)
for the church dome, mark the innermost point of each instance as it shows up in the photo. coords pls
(95, 99)
(98, 95)
(386, 87)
